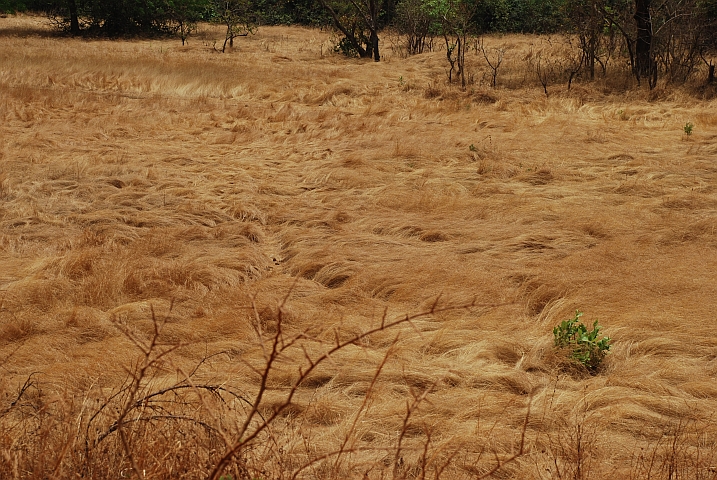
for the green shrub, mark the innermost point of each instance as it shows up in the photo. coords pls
(345, 47)
(12, 6)
(584, 346)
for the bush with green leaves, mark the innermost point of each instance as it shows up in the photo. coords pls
(12, 6)
(584, 345)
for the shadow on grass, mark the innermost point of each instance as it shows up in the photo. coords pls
(30, 33)
(47, 29)
(23, 30)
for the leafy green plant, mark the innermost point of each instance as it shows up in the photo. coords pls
(584, 345)
(688, 128)
(346, 48)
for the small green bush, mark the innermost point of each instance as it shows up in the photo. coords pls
(688, 128)
(345, 47)
(585, 347)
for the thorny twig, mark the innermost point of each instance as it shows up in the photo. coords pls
(279, 344)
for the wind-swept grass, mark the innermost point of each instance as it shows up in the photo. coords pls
(170, 216)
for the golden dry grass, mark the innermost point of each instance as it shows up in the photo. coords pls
(142, 178)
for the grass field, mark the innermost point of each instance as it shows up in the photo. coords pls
(170, 216)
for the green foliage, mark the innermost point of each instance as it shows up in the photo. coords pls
(535, 16)
(345, 47)
(688, 128)
(237, 16)
(358, 23)
(418, 20)
(12, 6)
(288, 12)
(183, 16)
(520, 16)
(126, 17)
(584, 345)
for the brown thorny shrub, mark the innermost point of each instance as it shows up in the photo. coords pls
(163, 421)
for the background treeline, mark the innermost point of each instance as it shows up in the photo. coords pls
(669, 39)
(118, 17)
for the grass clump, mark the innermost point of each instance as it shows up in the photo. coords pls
(584, 345)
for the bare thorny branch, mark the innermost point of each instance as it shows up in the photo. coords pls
(135, 401)
(521, 446)
(29, 383)
(494, 63)
(139, 405)
(279, 344)
(138, 374)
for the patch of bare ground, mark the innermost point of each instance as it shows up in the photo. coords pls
(172, 219)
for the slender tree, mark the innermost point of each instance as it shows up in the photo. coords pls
(419, 23)
(184, 16)
(237, 16)
(645, 66)
(456, 26)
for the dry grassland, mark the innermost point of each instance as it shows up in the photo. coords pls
(281, 190)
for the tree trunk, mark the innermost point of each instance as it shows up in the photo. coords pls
(374, 45)
(373, 27)
(74, 19)
(644, 63)
(595, 33)
(462, 59)
(711, 74)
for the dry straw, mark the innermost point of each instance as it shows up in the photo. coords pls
(227, 264)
